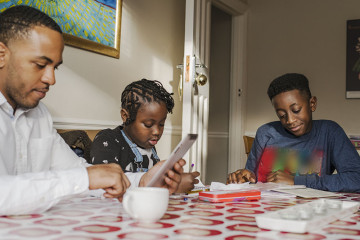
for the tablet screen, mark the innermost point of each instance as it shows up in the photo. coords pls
(176, 155)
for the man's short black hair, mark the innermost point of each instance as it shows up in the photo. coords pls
(16, 22)
(288, 82)
(142, 91)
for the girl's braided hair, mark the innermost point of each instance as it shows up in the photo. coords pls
(142, 91)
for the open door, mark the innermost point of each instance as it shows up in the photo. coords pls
(195, 80)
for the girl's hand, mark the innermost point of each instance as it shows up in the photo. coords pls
(172, 177)
(188, 180)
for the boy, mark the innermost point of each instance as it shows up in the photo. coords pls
(297, 149)
(145, 105)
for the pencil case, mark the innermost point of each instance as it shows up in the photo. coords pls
(230, 196)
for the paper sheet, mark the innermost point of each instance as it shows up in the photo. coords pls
(215, 186)
(307, 192)
(198, 187)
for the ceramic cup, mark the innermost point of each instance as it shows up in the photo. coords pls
(146, 204)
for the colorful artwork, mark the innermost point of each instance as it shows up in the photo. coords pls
(294, 162)
(95, 21)
(353, 59)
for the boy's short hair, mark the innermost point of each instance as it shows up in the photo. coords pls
(288, 82)
(142, 91)
(16, 22)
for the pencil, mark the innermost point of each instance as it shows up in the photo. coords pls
(191, 168)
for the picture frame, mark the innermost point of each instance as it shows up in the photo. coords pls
(90, 25)
(353, 59)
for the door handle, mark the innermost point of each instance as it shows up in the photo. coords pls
(180, 85)
(200, 66)
(200, 79)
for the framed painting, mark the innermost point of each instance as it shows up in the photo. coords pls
(353, 59)
(93, 25)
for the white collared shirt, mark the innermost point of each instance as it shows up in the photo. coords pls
(37, 167)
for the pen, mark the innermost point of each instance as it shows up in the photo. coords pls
(191, 168)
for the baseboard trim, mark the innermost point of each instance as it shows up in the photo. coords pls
(83, 124)
(87, 124)
(250, 134)
(218, 135)
(173, 130)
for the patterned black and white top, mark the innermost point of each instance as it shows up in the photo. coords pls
(110, 146)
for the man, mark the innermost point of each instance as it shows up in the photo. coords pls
(37, 168)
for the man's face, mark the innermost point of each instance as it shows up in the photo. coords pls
(29, 67)
(148, 126)
(294, 111)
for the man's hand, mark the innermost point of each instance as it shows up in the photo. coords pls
(172, 178)
(188, 180)
(241, 176)
(109, 177)
(280, 177)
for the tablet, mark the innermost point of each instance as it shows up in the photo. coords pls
(159, 178)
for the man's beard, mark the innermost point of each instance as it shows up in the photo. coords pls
(19, 100)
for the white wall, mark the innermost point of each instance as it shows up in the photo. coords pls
(89, 85)
(304, 36)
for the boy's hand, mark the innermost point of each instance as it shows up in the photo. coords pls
(241, 176)
(172, 178)
(280, 177)
(109, 177)
(188, 180)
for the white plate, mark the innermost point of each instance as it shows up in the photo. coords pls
(308, 216)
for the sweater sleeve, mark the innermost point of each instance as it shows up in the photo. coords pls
(344, 158)
(105, 148)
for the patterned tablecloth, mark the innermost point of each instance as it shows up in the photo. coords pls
(85, 217)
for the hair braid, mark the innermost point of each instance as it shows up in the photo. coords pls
(142, 91)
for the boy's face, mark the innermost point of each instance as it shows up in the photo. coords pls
(148, 126)
(295, 111)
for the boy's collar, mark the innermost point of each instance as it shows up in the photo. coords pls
(306, 135)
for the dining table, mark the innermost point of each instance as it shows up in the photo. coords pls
(187, 217)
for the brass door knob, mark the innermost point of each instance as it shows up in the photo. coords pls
(201, 79)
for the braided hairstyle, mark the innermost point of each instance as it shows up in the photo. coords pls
(143, 91)
(288, 82)
(16, 22)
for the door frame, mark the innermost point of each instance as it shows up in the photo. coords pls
(238, 79)
(196, 53)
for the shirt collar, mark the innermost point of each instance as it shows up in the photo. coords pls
(8, 108)
(2, 99)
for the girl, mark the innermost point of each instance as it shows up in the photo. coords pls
(145, 105)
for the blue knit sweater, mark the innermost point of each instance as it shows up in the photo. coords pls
(311, 158)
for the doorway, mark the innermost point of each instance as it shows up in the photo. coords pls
(219, 102)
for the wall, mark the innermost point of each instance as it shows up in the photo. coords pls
(89, 85)
(308, 37)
